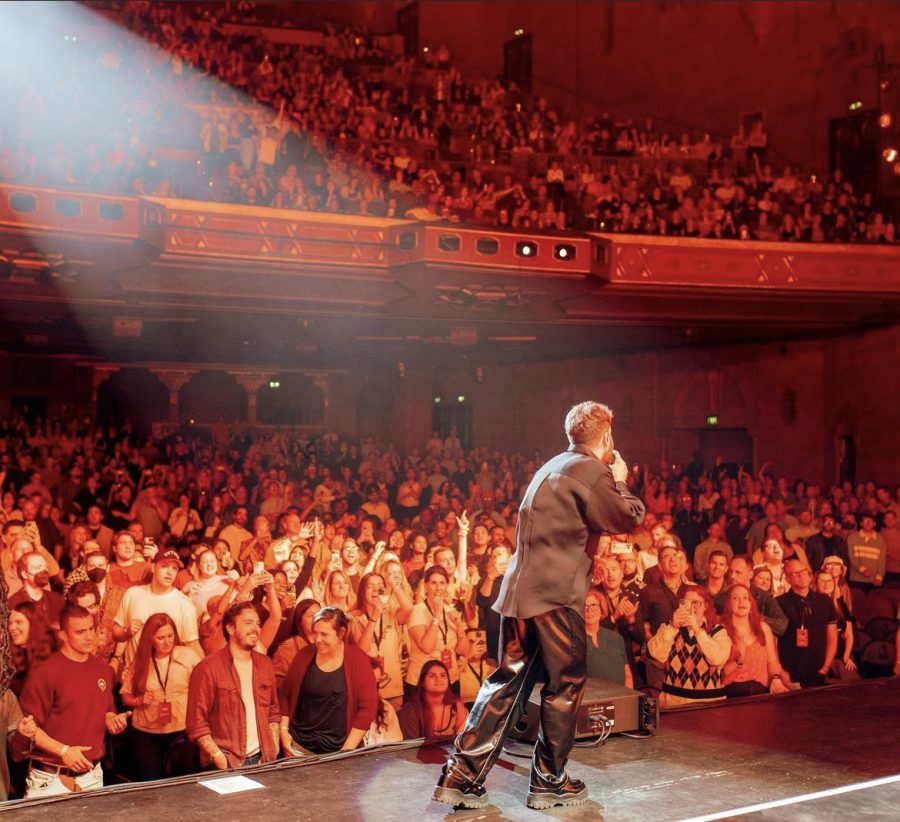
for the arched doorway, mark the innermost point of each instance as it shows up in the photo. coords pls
(290, 399)
(211, 396)
(133, 394)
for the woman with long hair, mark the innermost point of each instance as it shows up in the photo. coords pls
(376, 627)
(432, 711)
(838, 570)
(73, 556)
(843, 666)
(155, 687)
(338, 592)
(693, 647)
(301, 636)
(32, 642)
(753, 666)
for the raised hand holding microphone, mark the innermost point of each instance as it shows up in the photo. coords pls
(619, 467)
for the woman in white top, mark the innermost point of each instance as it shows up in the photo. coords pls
(155, 687)
(376, 626)
(436, 631)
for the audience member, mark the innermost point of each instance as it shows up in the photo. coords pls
(232, 709)
(155, 687)
(329, 697)
(809, 644)
(606, 657)
(70, 697)
(753, 667)
(432, 711)
(693, 648)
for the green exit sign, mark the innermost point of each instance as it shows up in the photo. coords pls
(712, 420)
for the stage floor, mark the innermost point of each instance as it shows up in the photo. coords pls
(755, 760)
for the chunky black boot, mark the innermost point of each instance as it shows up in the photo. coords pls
(543, 794)
(459, 793)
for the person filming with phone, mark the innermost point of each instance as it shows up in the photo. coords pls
(693, 648)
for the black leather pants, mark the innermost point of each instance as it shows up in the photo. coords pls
(551, 646)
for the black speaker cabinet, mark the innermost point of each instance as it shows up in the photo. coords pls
(606, 708)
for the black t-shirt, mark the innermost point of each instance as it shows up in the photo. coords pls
(320, 719)
(813, 613)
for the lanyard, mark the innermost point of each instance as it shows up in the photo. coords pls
(480, 674)
(445, 629)
(163, 682)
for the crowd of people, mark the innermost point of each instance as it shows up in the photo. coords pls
(210, 600)
(352, 126)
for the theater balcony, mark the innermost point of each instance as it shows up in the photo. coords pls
(213, 281)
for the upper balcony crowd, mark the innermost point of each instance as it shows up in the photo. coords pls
(351, 126)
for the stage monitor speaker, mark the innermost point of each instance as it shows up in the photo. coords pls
(606, 708)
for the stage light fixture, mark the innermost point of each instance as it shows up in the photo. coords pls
(564, 251)
(889, 154)
(885, 120)
(526, 248)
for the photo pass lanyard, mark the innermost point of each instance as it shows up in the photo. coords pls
(163, 682)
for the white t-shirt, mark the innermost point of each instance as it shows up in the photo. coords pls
(244, 668)
(446, 641)
(141, 603)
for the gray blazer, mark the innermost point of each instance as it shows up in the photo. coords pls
(570, 500)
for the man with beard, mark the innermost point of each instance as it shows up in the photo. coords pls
(32, 570)
(233, 712)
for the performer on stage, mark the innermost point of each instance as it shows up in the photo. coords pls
(569, 501)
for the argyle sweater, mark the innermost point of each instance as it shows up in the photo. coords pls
(692, 671)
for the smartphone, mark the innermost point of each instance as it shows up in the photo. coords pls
(259, 568)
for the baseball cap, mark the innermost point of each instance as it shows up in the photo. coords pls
(168, 556)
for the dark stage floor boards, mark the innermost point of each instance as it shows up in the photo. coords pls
(709, 763)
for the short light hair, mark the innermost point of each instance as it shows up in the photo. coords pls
(587, 422)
